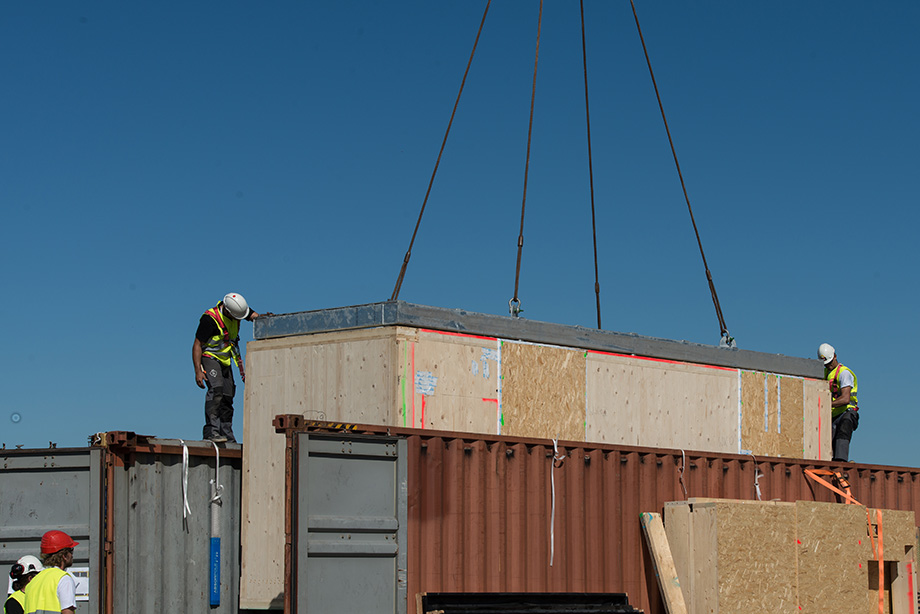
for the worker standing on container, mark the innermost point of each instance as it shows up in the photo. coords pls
(22, 573)
(844, 404)
(216, 347)
(53, 589)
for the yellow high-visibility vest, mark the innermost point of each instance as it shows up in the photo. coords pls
(20, 598)
(41, 597)
(224, 346)
(832, 376)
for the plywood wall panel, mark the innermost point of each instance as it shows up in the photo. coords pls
(636, 401)
(755, 542)
(790, 414)
(449, 382)
(832, 544)
(543, 391)
(817, 419)
(773, 414)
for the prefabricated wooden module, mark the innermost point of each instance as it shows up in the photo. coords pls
(807, 556)
(404, 365)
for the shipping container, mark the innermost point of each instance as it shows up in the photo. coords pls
(140, 508)
(406, 365)
(496, 514)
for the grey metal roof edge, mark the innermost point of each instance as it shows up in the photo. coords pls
(400, 313)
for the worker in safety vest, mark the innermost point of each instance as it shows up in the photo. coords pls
(216, 347)
(22, 573)
(844, 404)
(53, 589)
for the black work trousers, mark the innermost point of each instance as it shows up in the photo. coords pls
(842, 428)
(218, 402)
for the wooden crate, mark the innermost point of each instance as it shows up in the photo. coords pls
(748, 556)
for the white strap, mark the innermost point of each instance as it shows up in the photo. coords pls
(216, 480)
(186, 510)
(552, 520)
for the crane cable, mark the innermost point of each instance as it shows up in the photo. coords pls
(405, 264)
(584, 55)
(727, 340)
(514, 305)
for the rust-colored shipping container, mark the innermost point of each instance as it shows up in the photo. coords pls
(502, 514)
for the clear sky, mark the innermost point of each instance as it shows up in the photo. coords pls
(154, 156)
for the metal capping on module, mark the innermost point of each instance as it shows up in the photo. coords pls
(400, 313)
(485, 498)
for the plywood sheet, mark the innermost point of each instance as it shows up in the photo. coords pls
(678, 529)
(543, 391)
(705, 567)
(449, 382)
(755, 553)
(816, 419)
(338, 376)
(833, 554)
(648, 402)
(772, 413)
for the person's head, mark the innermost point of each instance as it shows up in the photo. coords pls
(57, 549)
(828, 355)
(24, 570)
(235, 306)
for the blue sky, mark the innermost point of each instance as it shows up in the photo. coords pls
(155, 156)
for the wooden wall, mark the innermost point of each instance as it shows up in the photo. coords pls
(748, 556)
(403, 376)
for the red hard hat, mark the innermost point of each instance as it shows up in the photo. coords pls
(54, 541)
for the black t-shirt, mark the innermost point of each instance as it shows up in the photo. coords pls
(12, 606)
(207, 328)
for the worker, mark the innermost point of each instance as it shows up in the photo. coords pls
(22, 573)
(216, 346)
(53, 589)
(844, 404)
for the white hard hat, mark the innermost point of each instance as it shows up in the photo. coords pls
(826, 352)
(30, 564)
(237, 306)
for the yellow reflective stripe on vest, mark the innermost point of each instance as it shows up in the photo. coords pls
(222, 347)
(42, 597)
(833, 377)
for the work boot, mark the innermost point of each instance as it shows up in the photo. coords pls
(217, 439)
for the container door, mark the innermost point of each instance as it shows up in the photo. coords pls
(351, 524)
(49, 489)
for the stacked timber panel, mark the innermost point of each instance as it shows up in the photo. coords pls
(413, 376)
(811, 557)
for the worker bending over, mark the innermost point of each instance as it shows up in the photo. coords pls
(844, 405)
(53, 589)
(216, 346)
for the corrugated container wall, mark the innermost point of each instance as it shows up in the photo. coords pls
(123, 501)
(480, 510)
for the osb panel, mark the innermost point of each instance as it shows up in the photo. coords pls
(756, 557)
(791, 410)
(772, 414)
(637, 401)
(833, 554)
(348, 377)
(817, 419)
(898, 540)
(543, 391)
(449, 382)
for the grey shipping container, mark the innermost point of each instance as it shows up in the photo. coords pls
(124, 500)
